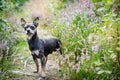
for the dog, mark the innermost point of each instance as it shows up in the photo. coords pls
(40, 48)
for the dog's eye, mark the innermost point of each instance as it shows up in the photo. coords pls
(25, 28)
(32, 27)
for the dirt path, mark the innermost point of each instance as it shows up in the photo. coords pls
(27, 67)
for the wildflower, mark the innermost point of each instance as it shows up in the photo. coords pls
(76, 0)
(77, 67)
(5, 42)
(87, 56)
(95, 48)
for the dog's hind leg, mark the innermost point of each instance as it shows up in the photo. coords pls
(46, 58)
(36, 63)
(43, 63)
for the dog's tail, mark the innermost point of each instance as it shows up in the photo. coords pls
(60, 46)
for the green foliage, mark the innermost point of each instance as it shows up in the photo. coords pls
(8, 41)
(62, 4)
(8, 6)
(90, 45)
(7, 47)
(96, 1)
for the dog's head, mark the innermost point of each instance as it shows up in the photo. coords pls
(30, 29)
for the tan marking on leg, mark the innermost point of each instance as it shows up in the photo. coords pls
(46, 58)
(35, 52)
(37, 65)
(43, 62)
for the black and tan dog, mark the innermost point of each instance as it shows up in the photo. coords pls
(40, 48)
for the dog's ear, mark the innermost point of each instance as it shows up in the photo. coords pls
(36, 21)
(23, 22)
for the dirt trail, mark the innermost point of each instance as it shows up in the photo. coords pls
(26, 65)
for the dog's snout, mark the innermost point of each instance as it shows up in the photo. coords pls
(28, 31)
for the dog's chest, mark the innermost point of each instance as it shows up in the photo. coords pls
(35, 52)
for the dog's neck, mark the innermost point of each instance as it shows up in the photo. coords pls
(34, 42)
(34, 37)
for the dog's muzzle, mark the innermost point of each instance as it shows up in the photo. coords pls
(28, 32)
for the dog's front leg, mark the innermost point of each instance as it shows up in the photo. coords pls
(43, 63)
(36, 63)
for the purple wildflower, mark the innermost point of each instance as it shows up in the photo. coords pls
(76, 0)
(95, 48)
(77, 67)
(87, 56)
(5, 42)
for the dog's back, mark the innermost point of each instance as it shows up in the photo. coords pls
(51, 44)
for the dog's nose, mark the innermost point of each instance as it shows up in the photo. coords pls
(28, 31)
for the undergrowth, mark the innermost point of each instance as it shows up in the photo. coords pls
(8, 40)
(88, 44)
